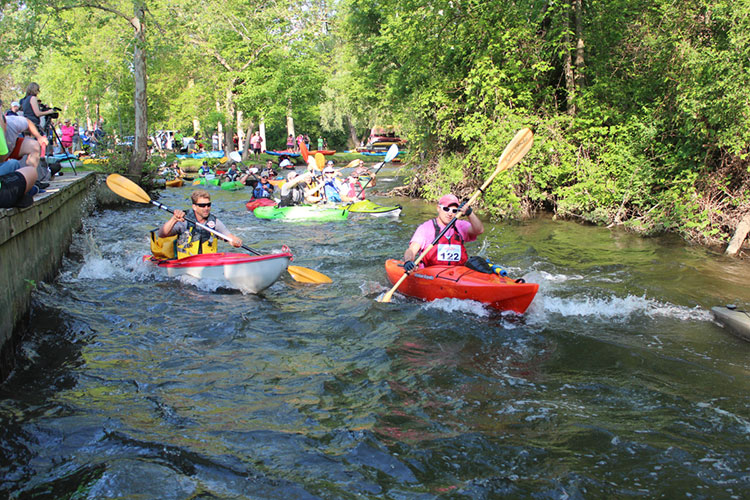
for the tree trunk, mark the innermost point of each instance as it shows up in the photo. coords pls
(289, 119)
(567, 62)
(352, 134)
(140, 147)
(230, 113)
(579, 62)
(743, 228)
(262, 128)
(246, 142)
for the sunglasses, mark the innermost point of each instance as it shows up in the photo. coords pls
(449, 209)
(202, 205)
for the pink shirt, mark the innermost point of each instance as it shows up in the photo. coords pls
(425, 233)
(67, 131)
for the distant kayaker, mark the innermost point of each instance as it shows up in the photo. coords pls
(194, 240)
(232, 174)
(334, 190)
(264, 189)
(204, 169)
(450, 249)
(295, 190)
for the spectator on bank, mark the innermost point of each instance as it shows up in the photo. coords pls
(30, 105)
(290, 146)
(25, 149)
(13, 111)
(76, 146)
(66, 136)
(16, 182)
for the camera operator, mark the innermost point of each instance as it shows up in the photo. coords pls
(33, 109)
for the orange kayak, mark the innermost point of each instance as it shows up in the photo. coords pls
(459, 282)
(174, 183)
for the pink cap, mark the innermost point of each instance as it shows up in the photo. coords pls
(448, 200)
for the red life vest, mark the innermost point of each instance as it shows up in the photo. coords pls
(448, 251)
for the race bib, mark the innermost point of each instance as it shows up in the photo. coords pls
(449, 253)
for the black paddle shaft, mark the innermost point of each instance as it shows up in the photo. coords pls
(369, 180)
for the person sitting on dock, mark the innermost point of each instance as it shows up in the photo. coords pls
(264, 189)
(192, 239)
(450, 249)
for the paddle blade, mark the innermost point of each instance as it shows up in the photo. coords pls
(354, 164)
(235, 156)
(391, 154)
(122, 186)
(303, 151)
(307, 275)
(320, 160)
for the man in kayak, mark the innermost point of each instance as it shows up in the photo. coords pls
(232, 174)
(295, 190)
(264, 189)
(194, 240)
(449, 250)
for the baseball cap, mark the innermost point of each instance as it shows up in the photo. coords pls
(448, 200)
(264, 173)
(15, 103)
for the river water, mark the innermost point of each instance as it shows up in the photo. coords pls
(616, 383)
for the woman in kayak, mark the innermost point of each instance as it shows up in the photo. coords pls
(192, 239)
(449, 250)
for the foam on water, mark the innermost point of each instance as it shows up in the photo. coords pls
(614, 308)
(459, 305)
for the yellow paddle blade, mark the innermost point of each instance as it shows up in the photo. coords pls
(320, 160)
(122, 186)
(306, 275)
(354, 163)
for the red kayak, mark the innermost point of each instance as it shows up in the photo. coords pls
(326, 152)
(259, 202)
(459, 282)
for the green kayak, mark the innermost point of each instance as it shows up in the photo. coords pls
(371, 208)
(302, 212)
(735, 320)
(232, 185)
(202, 181)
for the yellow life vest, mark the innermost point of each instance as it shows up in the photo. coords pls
(163, 248)
(197, 241)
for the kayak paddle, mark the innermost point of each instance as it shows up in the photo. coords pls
(320, 160)
(390, 155)
(513, 153)
(122, 186)
(303, 151)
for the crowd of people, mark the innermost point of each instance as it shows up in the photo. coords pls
(30, 134)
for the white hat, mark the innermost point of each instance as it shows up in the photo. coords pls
(15, 103)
